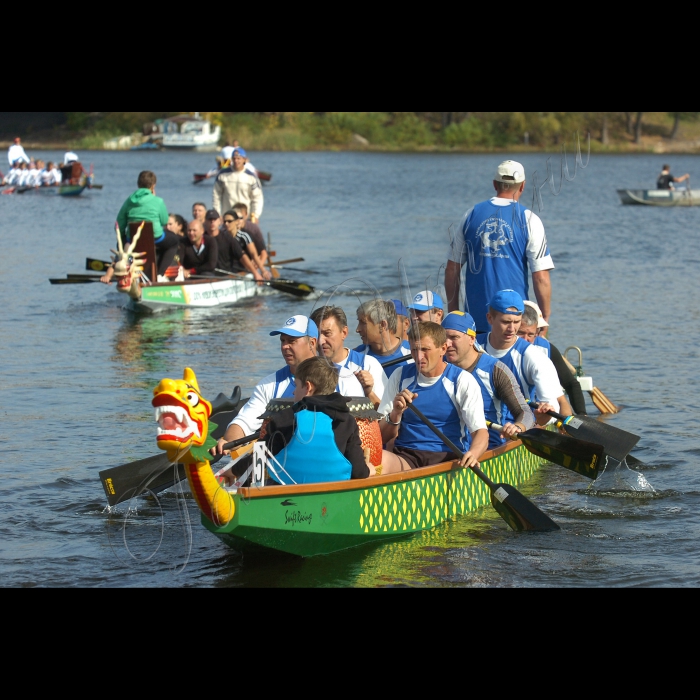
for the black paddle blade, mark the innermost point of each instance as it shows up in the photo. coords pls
(581, 457)
(155, 474)
(617, 443)
(521, 514)
(297, 289)
(83, 280)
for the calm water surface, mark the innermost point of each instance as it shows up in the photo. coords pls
(78, 371)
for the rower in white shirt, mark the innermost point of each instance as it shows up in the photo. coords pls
(70, 157)
(360, 371)
(16, 153)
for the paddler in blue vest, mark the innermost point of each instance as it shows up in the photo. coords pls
(357, 369)
(499, 387)
(531, 367)
(377, 325)
(498, 240)
(319, 442)
(447, 395)
(299, 342)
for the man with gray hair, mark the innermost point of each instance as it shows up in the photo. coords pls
(498, 240)
(378, 328)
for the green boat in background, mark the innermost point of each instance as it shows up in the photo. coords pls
(319, 519)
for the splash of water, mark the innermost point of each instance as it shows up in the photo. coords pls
(618, 478)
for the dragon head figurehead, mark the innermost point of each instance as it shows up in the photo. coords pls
(128, 266)
(182, 415)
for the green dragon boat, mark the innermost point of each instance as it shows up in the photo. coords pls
(321, 519)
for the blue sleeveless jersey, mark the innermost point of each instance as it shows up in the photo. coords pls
(280, 378)
(544, 343)
(400, 352)
(438, 405)
(496, 241)
(493, 406)
(312, 457)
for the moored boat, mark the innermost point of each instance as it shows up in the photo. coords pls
(661, 198)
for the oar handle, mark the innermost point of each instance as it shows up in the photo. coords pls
(397, 361)
(534, 404)
(499, 429)
(243, 441)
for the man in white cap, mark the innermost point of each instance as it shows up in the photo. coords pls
(16, 154)
(299, 342)
(498, 240)
(532, 368)
(428, 307)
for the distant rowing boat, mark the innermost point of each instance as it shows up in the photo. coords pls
(661, 198)
(53, 191)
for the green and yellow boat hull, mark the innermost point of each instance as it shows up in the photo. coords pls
(319, 519)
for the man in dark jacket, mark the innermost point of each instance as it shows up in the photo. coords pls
(199, 254)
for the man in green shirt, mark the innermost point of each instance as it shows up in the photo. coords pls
(142, 206)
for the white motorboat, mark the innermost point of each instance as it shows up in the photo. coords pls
(190, 133)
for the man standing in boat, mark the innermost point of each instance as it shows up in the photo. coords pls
(299, 341)
(144, 205)
(236, 185)
(666, 180)
(16, 154)
(498, 240)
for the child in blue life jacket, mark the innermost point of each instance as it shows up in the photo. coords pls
(318, 441)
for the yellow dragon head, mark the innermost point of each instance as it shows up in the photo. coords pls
(128, 266)
(183, 416)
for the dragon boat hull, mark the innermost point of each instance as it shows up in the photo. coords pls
(58, 191)
(321, 519)
(193, 294)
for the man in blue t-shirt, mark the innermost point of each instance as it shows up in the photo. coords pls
(498, 241)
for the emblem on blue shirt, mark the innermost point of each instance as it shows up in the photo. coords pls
(494, 233)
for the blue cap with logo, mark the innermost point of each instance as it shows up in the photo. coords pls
(241, 152)
(508, 299)
(298, 327)
(459, 321)
(426, 301)
(401, 310)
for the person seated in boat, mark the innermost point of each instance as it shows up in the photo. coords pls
(199, 252)
(428, 306)
(403, 320)
(16, 153)
(142, 206)
(33, 178)
(23, 179)
(178, 225)
(360, 370)
(534, 371)
(666, 180)
(253, 230)
(232, 258)
(212, 223)
(47, 175)
(447, 395)
(299, 342)
(57, 175)
(13, 176)
(377, 325)
(319, 440)
(233, 223)
(199, 212)
(531, 328)
(499, 387)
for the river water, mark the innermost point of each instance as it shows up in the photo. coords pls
(78, 371)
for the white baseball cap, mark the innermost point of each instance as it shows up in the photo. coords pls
(426, 301)
(541, 323)
(298, 327)
(510, 172)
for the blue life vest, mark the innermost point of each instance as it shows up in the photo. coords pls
(312, 457)
(493, 406)
(382, 359)
(514, 362)
(496, 240)
(282, 376)
(439, 406)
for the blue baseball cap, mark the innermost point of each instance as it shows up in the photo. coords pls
(507, 299)
(426, 301)
(401, 310)
(459, 321)
(241, 152)
(298, 327)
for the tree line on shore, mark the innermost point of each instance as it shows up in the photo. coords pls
(476, 130)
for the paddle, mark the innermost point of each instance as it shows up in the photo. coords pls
(520, 513)
(79, 280)
(286, 262)
(584, 458)
(130, 480)
(297, 289)
(617, 443)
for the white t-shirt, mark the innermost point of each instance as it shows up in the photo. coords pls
(248, 420)
(536, 369)
(17, 153)
(466, 392)
(538, 258)
(70, 157)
